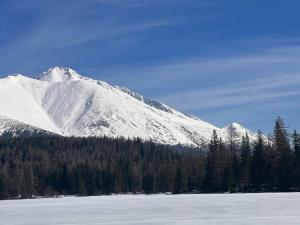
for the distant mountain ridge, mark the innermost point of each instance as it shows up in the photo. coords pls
(63, 102)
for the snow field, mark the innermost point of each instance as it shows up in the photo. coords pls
(205, 209)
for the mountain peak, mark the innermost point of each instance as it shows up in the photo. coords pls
(237, 125)
(237, 131)
(89, 107)
(60, 74)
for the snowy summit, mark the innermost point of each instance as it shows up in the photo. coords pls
(63, 102)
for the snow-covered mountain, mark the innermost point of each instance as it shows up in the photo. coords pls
(61, 101)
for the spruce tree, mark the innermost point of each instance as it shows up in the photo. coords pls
(245, 163)
(224, 166)
(178, 181)
(284, 158)
(296, 148)
(3, 187)
(212, 180)
(233, 167)
(236, 166)
(258, 164)
(271, 169)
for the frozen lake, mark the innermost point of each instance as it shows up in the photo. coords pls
(225, 209)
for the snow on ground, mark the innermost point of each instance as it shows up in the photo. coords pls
(214, 209)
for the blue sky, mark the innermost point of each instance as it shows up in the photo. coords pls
(222, 60)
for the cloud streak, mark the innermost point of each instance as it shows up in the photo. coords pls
(268, 75)
(240, 93)
(188, 54)
(74, 24)
(251, 88)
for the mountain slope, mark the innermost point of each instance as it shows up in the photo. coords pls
(13, 128)
(63, 102)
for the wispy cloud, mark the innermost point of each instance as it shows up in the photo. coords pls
(70, 24)
(142, 3)
(187, 53)
(72, 33)
(194, 84)
(235, 95)
(251, 88)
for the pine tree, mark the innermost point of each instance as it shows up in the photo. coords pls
(271, 168)
(3, 187)
(236, 166)
(212, 180)
(178, 181)
(233, 167)
(224, 166)
(245, 163)
(296, 142)
(296, 147)
(47, 166)
(284, 158)
(258, 164)
(280, 137)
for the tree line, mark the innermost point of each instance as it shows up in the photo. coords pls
(270, 164)
(54, 165)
